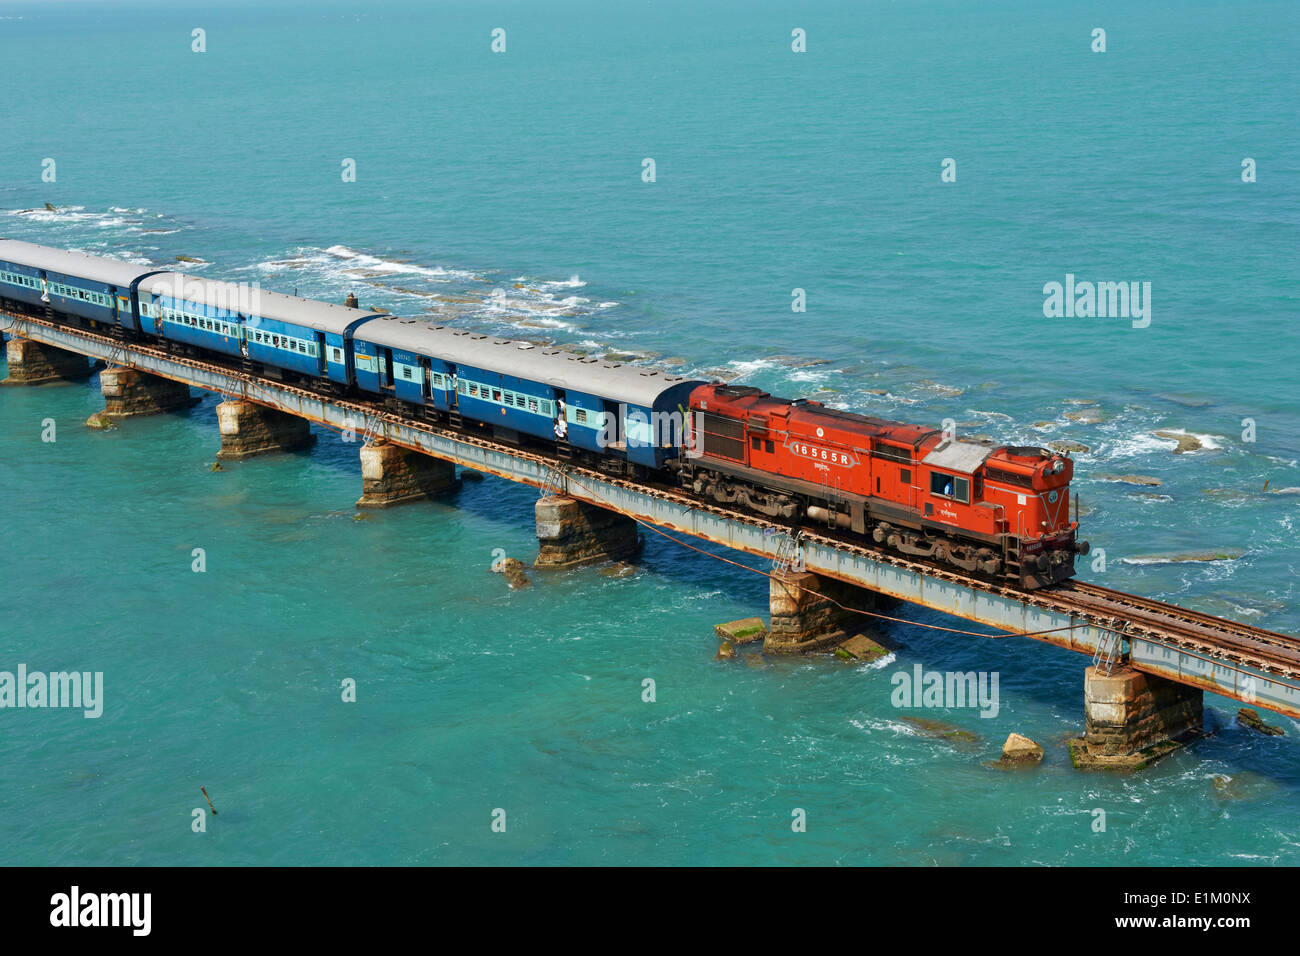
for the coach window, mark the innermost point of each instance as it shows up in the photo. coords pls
(950, 486)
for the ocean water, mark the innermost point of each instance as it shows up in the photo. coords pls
(522, 172)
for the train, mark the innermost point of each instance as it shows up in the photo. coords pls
(997, 511)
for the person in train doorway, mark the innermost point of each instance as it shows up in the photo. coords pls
(561, 421)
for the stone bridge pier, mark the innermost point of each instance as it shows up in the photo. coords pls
(35, 363)
(1133, 719)
(572, 533)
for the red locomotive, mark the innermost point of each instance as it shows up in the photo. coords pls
(997, 510)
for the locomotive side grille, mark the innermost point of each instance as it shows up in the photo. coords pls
(719, 447)
(724, 427)
(723, 437)
(1009, 477)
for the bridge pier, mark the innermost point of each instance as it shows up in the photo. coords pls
(1133, 719)
(572, 533)
(806, 612)
(248, 429)
(392, 475)
(129, 392)
(32, 363)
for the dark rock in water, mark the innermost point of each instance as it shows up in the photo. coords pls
(1066, 447)
(201, 262)
(100, 421)
(1248, 717)
(49, 207)
(517, 580)
(508, 566)
(216, 466)
(726, 651)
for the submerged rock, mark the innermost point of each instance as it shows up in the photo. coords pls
(1243, 785)
(620, 570)
(517, 580)
(1146, 480)
(1185, 442)
(938, 730)
(1086, 416)
(100, 421)
(726, 651)
(1067, 447)
(194, 259)
(1187, 557)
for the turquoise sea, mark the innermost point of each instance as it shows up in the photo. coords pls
(522, 172)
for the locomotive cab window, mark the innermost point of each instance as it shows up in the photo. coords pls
(950, 486)
(756, 443)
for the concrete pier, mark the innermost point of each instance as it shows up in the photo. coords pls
(805, 616)
(129, 392)
(1132, 719)
(248, 429)
(392, 475)
(571, 533)
(33, 363)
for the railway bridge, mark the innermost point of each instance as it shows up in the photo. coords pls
(1150, 661)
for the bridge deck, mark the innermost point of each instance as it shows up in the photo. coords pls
(1256, 666)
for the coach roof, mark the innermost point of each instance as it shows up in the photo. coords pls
(549, 365)
(85, 266)
(255, 301)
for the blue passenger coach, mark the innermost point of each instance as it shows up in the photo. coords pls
(278, 331)
(74, 283)
(614, 410)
